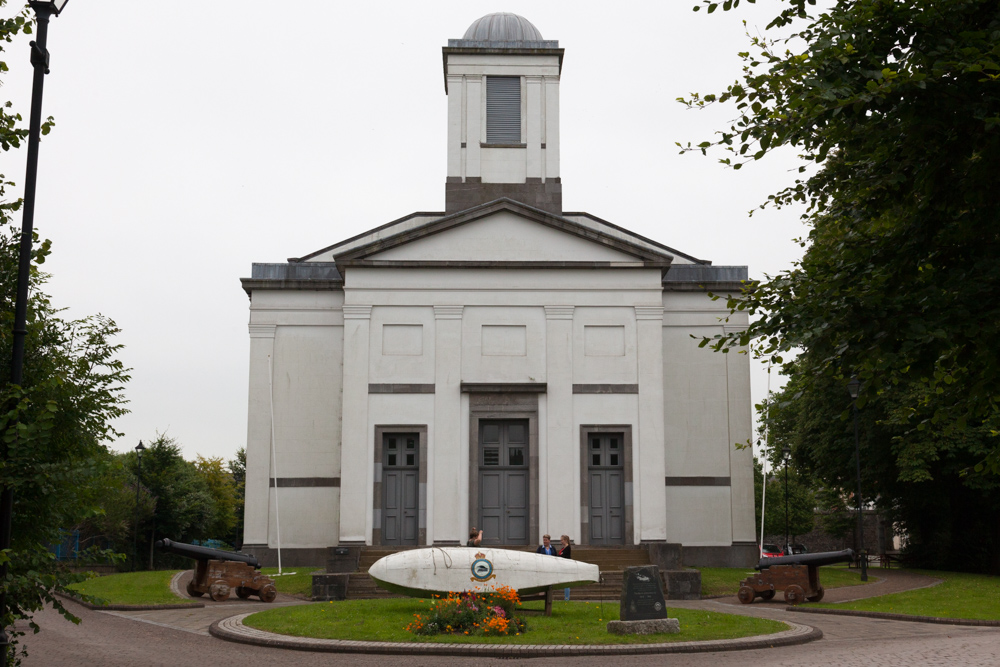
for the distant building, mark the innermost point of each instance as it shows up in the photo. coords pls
(502, 364)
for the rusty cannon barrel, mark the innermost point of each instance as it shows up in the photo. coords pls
(204, 553)
(814, 560)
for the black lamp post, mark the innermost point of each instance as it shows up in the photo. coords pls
(40, 62)
(139, 449)
(786, 452)
(853, 388)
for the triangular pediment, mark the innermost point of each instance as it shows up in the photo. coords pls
(504, 232)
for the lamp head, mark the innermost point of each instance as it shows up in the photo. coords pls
(139, 449)
(786, 451)
(48, 6)
(854, 386)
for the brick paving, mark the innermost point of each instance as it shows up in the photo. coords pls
(172, 637)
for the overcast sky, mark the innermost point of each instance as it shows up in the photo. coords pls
(193, 138)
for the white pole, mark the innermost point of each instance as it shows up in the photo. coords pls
(763, 488)
(274, 462)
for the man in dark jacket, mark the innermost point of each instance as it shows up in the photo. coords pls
(546, 547)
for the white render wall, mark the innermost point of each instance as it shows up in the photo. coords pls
(442, 327)
(466, 81)
(296, 343)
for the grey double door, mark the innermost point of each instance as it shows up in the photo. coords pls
(606, 473)
(400, 479)
(503, 481)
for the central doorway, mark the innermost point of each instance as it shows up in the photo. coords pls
(503, 481)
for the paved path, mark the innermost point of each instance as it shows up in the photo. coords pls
(172, 637)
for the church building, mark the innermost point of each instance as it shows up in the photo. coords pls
(504, 363)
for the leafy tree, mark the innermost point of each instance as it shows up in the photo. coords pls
(801, 501)
(114, 524)
(894, 108)
(185, 509)
(915, 478)
(238, 469)
(223, 491)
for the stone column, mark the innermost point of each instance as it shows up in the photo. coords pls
(562, 445)
(357, 445)
(740, 431)
(447, 497)
(650, 468)
(258, 473)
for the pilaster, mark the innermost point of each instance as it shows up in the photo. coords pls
(255, 512)
(740, 431)
(650, 501)
(446, 451)
(561, 455)
(356, 461)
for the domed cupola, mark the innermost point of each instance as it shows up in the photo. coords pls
(502, 81)
(502, 27)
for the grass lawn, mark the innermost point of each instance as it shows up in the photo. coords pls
(974, 596)
(132, 588)
(726, 580)
(299, 583)
(570, 623)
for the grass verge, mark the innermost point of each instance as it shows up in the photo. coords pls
(299, 583)
(726, 580)
(972, 596)
(132, 588)
(570, 623)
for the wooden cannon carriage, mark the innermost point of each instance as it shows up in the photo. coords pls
(797, 575)
(219, 572)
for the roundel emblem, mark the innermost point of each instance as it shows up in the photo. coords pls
(482, 569)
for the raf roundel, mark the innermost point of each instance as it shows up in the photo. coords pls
(482, 568)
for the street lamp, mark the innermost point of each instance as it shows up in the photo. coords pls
(40, 63)
(139, 449)
(786, 453)
(854, 388)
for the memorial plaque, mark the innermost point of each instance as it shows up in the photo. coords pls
(642, 594)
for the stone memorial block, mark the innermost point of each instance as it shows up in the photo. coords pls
(642, 594)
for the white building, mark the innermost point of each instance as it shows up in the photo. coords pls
(504, 364)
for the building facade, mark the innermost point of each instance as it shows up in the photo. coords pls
(503, 364)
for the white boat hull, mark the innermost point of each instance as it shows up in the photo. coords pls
(440, 570)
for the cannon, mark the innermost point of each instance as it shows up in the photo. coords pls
(797, 575)
(219, 572)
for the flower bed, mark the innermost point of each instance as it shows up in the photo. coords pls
(491, 612)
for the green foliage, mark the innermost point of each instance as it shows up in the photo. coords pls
(894, 108)
(222, 488)
(916, 478)
(801, 501)
(185, 508)
(238, 470)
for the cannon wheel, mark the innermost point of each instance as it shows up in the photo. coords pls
(267, 593)
(192, 591)
(219, 591)
(794, 594)
(819, 595)
(767, 595)
(745, 595)
(242, 592)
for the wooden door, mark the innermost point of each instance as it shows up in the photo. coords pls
(503, 481)
(606, 468)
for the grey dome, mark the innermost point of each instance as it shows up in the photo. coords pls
(502, 27)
